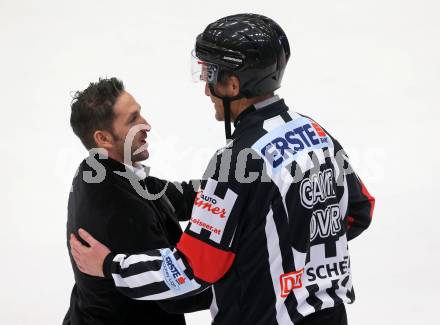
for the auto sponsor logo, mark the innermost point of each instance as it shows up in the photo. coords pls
(282, 145)
(211, 212)
(208, 203)
(290, 281)
(174, 277)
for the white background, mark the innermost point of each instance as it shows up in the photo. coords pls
(368, 71)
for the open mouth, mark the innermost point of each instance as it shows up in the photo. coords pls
(143, 147)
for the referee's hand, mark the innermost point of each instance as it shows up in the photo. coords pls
(89, 260)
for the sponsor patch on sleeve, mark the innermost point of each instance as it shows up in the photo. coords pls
(174, 277)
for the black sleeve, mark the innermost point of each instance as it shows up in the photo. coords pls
(360, 205)
(201, 301)
(134, 226)
(180, 195)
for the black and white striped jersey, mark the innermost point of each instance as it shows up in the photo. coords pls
(269, 226)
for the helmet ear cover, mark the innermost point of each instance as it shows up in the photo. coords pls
(224, 75)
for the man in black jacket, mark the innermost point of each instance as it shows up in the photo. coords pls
(106, 199)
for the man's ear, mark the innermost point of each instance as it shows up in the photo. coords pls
(103, 139)
(234, 86)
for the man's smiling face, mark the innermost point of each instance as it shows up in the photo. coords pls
(128, 115)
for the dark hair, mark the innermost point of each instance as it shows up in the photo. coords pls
(92, 109)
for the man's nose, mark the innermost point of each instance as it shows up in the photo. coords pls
(147, 125)
(148, 128)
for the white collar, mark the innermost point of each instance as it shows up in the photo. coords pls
(267, 102)
(138, 169)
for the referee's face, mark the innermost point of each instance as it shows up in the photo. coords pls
(129, 130)
(218, 104)
(228, 88)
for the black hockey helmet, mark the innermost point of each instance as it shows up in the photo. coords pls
(252, 47)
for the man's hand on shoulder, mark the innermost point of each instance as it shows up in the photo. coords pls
(89, 260)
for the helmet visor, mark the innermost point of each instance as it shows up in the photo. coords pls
(202, 70)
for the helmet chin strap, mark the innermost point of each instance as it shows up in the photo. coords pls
(227, 117)
(227, 110)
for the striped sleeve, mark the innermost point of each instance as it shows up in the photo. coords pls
(154, 275)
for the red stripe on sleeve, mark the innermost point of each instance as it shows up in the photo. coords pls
(370, 198)
(207, 262)
(350, 222)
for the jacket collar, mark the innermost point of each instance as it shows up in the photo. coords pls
(124, 171)
(258, 112)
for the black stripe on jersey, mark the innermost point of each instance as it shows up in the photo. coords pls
(154, 252)
(204, 236)
(288, 262)
(146, 290)
(296, 172)
(345, 281)
(332, 292)
(176, 255)
(351, 295)
(188, 272)
(312, 299)
(282, 226)
(330, 248)
(291, 305)
(222, 188)
(204, 180)
(140, 267)
(308, 256)
(286, 117)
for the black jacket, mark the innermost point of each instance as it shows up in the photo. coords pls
(107, 205)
